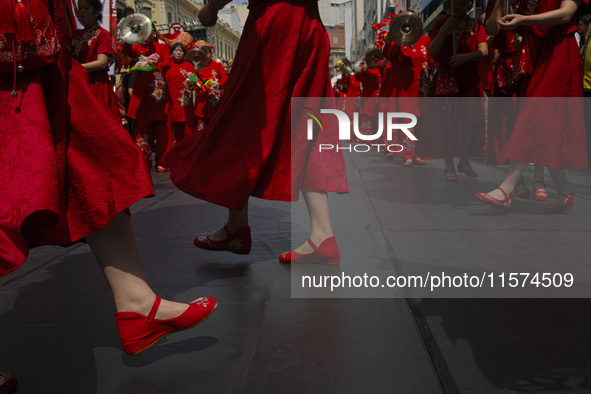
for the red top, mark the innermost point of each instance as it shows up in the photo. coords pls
(150, 98)
(181, 96)
(353, 87)
(213, 71)
(370, 78)
(407, 63)
(462, 81)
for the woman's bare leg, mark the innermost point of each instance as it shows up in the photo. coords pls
(236, 221)
(516, 171)
(116, 252)
(317, 204)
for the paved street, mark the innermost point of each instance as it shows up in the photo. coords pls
(271, 335)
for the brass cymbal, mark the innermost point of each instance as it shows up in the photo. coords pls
(406, 28)
(345, 66)
(372, 57)
(135, 28)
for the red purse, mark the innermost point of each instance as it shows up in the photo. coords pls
(510, 71)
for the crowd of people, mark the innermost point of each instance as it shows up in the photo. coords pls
(514, 57)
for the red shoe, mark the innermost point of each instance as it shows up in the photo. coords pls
(540, 194)
(451, 176)
(556, 208)
(162, 169)
(420, 162)
(326, 253)
(467, 169)
(408, 163)
(138, 332)
(239, 242)
(7, 382)
(507, 202)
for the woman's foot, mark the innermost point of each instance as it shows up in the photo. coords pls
(540, 191)
(408, 163)
(561, 202)
(521, 190)
(497, 197)
(238, 241)
(419, 161)
(325, 252)
(466, 168)
(140, 331)
(451, 176)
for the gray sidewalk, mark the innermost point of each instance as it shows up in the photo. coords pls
(58, 329)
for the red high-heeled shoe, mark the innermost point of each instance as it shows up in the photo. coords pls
(507, 202)
(138, 332)
(556, 208)
(326, 253)
(239, 242)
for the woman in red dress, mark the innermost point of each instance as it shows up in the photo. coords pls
(92, 47)
(181, 118)
(284, 52)
(214, 76)
(406, 65)
(456, 76)
(150, 100)
(59, 186)
(507, 84)
(549, 133)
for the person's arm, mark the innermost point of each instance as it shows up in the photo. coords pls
(562, 15)
(100, 64)
(223, 74)
(208, 14)
(475, 56)
(492, 23)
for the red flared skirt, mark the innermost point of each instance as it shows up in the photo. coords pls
(63, 176)
(550, 128)
(246, 149)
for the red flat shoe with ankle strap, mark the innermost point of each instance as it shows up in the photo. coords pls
(507, 202)
(540, 193)
(326, 253)
(557, 208)
(239, 242)
(138, 332)
(7, 382)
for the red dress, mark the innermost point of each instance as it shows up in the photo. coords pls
(204, 107)
(550, 131)
(86, 45)
(407, 64)
(64, 177)
(448, 132)
(507, 78)
(150, 102)
(181, 118)
(246, 150)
